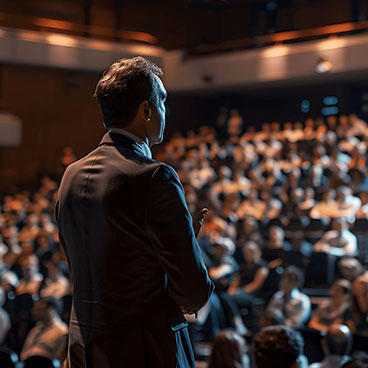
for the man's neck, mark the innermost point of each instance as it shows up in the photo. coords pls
(137, 131)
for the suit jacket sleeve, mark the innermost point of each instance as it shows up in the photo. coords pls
(170, 228)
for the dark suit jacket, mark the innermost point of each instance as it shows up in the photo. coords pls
(125, 226)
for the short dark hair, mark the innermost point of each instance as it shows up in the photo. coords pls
(227, 350)
(277, 347)
(52, 302)
(124, 86)
(339, 340)
(295, 275)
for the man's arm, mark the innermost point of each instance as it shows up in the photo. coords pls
(169, 226)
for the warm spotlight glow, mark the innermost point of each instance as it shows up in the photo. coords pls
(61, 40)
(333, 42)
(323, 66)
(278, 49)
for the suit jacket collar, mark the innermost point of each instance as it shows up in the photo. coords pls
(113, 139)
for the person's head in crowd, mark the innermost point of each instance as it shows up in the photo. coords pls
(222, 247)
(191, 198)
(331, 138)
(46, 308)
(275, 126)
(298, 125)
(331, 121)
(342, 192)
(228, 351)
(340, 291)
(350, 268)
(288, 125)
(363, 196)
(250, 225)
(316, 171)
(292, 278)
(297, 195)
(29, 266)
(277, 347)
(224, 172)
(131, 93)
(329, 195)
(338, 340)
(252, 196)
(358, 360)
(232, 201)
(27, 248)
(276, 237)
(43, 244)
(52, 268)
(270, 317)
(251, 252)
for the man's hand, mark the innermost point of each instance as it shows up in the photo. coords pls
(198, 221)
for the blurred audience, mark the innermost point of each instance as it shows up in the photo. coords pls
(50, 335)
(277, 347)
(337, 346)
(228, 351)
(277, 198)
(294, 305)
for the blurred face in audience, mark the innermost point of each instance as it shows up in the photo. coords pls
(350, 268)
(287, 283)
(340, 291)
(29, 267)
(251, 252)
(220, 251)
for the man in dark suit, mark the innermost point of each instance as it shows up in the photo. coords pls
(129, 237)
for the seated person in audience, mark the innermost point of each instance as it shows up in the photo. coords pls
(278, 347)
(248, 230)
(327, 208)
(349, 268)
(362, 212)
(339, 241)
(294, 305)
(308, 201)
(55, 283)
(275, 246)
(253, 272)
(360, 302)
(224, 266)
(50, 335)
(270, 318)
(223, 184)
(229, 350)
(5, 322)
(335, 311)
(273, 207)
(31, 279)
(337, 345)
(252, 206)
(347, 204)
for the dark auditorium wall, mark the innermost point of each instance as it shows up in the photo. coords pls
(57, 109)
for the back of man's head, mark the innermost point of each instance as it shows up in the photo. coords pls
(277, 347)
(338, 340)
(126, 84)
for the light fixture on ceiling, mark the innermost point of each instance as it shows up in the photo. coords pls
(323, 66)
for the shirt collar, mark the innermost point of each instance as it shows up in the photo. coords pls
(143, 145)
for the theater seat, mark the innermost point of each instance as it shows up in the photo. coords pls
(8, 358)
(37, 361)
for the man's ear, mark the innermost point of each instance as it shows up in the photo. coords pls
(145, 111)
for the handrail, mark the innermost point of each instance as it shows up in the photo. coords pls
(54, 25)
(297, 35)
